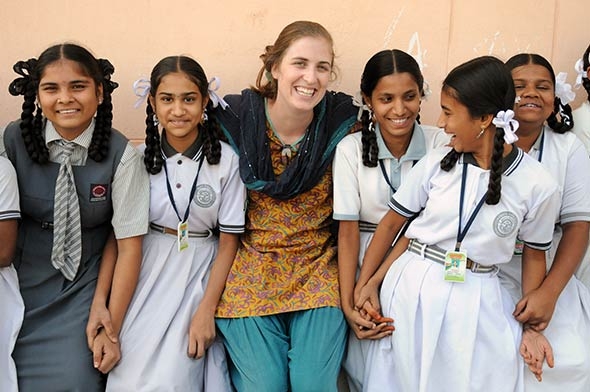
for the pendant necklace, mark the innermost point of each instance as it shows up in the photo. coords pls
(287, 150)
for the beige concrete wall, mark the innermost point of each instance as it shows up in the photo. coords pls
(227, 36)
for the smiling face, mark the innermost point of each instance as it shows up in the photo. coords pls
(534, 86)
(396, 103)
(179, 106)
(456, 120)
(68, 97)
(303, 74)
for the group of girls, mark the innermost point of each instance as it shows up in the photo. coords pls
(207, 258)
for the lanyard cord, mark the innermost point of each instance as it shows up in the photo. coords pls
(462, 233)
(192, 194)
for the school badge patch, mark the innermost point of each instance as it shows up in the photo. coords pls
(204, 196)
(505, 224)
(98, 192)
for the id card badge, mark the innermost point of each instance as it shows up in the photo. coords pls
(455, 265)
(182, 233)
(518, 246)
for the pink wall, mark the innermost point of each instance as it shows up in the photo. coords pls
(227, 36)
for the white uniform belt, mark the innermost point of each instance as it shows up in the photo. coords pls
(436, 253)
(192, 234)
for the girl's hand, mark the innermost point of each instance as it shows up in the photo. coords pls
(201, 333)
(365, 328)
(535, 309)
(106, 354)
(535, 349)
(368, 293)
(99, 318)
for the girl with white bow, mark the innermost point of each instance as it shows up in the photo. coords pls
(562, 303)
(454, 329)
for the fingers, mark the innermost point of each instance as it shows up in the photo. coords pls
(108, 328)
(97, 353)
(192, 347)
(91, 333)
(520, 307)
(549, 356)
(109, 360)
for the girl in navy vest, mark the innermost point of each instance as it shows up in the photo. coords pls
(65, 128)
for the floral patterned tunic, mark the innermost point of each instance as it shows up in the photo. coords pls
(287, 257)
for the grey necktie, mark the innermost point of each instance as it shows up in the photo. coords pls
(67, 236)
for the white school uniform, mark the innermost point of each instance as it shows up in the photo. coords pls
(564, 156)
(154, 336)
(361, 194)
(11, 303)
(459, 337)
(582, 130)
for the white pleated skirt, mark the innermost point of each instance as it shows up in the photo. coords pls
(154, 336)
(458, 337)
(12, 310)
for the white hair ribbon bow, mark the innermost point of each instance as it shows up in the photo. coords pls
(580, 71)
(505, 120)
(357, 101)
(141, 88)
(216, 100)
(563, 90)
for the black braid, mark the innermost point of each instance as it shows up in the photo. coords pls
(449, 160)
(565, 121)
(152, 156)
(212, 134)
(31, 123)
(99, 145)
(495, 183)
(369, 141)
(586, 84)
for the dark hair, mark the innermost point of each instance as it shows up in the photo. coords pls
(484, 86)
(209, 129)
(586, 64)
(383, 63)
(31, 72)
(565, 121)
(266, 85)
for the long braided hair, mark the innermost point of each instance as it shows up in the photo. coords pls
(586, 64)
(27, 85)
(210, 130)
(484, 86)
(560, 119)
(383, 63)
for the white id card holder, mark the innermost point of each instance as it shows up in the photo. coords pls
(455, 266)
(182, 233)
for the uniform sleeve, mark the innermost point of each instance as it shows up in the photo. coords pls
(347, 202)
(131, 196)
(9, 201)
(575, 204)
(412, 194)
(537, 228)
(232, 209)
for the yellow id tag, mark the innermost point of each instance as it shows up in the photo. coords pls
(182, 233)
(455, 265)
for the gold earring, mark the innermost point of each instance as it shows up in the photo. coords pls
(480, 132)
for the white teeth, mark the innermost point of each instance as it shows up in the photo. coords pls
(399, 121)
(305, 91)
(530, 105)
(68, 111)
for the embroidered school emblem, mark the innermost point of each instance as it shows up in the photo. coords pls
(204, 196)
(505, 224)
(98, 192)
